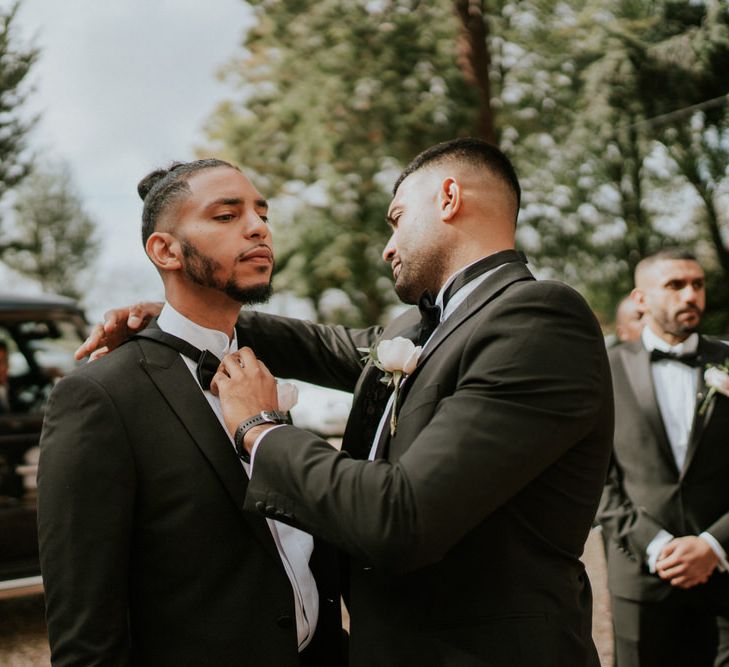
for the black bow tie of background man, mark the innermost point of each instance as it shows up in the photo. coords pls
(690, 358)
(430, 312)
(207, 362)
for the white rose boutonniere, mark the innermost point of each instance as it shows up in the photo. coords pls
(717, 380)
(397, 358)
(288, 396)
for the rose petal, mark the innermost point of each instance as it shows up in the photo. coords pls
(288, 396)
(394, 354)
(717, 379)
(412, 361)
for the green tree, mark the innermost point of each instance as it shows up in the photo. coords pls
(16, 60)
(648, 118)
(53, 239)
(335, 98)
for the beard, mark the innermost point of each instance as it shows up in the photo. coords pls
(671, 325)
(201, 270)
(423, 271)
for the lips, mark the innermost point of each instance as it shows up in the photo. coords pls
(396, 268)
(260, 254)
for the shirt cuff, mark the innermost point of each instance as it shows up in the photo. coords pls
(722, 565)
(653, 550)
(258, 441)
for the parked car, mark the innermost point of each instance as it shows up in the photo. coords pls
(38, 335)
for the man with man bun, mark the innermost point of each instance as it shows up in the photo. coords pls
(147, 555)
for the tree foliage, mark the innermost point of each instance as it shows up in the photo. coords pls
(16, 60)
(53, 240)
(601, 104)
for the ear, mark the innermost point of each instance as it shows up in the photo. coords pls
(165, 251)
(451, 198)
(638, 297)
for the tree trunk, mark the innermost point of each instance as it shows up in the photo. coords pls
(474, 60)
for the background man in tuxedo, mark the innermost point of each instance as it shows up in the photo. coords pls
(628, 320)
(466, 530)
(665, 511)
(146, 553)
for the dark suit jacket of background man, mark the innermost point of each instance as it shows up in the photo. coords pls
(466, 545)
(141, 512)
(645, 490)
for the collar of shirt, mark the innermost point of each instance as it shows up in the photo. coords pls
(652, 341)
(201, 337)
(462, 294)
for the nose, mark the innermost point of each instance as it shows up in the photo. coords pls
(690, 294)
(388, 254)
(256, 227)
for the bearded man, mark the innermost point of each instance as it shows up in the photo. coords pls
(146, 553)
(665, 511)
(463, 503)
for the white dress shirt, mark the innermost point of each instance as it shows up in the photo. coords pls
(294, 546)
(676, 385)
(456, 300)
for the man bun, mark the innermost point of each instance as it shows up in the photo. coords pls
(150, 180)
(162, 189)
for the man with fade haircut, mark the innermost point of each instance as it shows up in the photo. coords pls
(465, 503)
(665, 511)
(147, 555)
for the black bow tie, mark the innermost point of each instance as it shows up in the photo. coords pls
(690, 358)
(429, 316)
(430, 313)
(207, 362)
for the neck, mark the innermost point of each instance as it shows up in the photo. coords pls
(670, 338)
(208, 308)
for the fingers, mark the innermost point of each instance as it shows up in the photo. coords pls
(92, 342)
(141, 313)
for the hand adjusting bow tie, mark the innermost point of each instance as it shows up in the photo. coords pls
(207, 362)
(690, 358)
(430, 312)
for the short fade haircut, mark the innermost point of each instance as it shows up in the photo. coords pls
(677, 253)
(163, 188)
(476, 152)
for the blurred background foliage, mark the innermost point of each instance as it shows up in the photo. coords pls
(45, 233)
(614, 112)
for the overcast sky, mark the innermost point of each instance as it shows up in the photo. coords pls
(123, 87)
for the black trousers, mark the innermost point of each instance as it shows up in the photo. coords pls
(686, 629)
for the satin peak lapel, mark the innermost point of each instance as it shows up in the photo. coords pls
(637, 365)
(178, 388)
(708, 354)
(483, 294)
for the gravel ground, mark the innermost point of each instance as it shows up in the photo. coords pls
(23, 632)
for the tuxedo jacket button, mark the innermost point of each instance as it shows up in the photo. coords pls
(261, 506)
(270, 510)
(285, 621)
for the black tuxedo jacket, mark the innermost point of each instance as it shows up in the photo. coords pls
(645, 491)
(147, 555)
(465, 538)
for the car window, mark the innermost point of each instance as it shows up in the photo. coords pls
(39, 353)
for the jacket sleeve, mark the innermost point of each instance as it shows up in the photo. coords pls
(85, 505)
(631, 527)
(530, 386)
(316, 353)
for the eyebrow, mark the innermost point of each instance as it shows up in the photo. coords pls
(236, 201)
